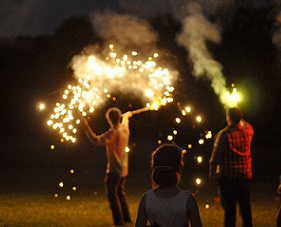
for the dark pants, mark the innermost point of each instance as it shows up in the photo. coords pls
(232, 191)
(117, 198)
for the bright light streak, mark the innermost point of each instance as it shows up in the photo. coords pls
(98, 75)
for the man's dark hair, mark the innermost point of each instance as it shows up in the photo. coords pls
(113, 115)
(235, 114)
(167, 164)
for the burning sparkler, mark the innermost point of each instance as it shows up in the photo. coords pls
(231, 99)
(99, 76)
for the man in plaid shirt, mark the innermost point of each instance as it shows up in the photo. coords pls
(231, 162)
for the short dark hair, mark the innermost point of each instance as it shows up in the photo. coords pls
(113, 115)
(167, 164)
(235, 114)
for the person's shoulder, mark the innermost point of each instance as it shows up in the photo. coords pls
(184, 193)
(150, 191)
(224, 131)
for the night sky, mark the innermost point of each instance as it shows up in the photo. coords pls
(241, 39)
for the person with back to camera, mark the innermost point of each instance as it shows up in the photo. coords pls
(231, 162)
(116, 140)
(166, 205)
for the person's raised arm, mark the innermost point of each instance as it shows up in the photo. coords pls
(125, 117)
(88, 131)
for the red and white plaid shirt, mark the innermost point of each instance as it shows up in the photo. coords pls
(231, 155)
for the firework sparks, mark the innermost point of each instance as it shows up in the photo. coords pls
(99, 76)
(231, 99)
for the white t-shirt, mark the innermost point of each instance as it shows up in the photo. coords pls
(167, 212)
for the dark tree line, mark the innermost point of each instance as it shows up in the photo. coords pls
(36, 67)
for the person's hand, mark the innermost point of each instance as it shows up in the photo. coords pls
(84, 122)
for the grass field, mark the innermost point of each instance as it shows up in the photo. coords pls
(31, 204)
(30, 179)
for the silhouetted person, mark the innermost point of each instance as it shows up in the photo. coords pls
(231, 162)
(116, 140)
(166, 205)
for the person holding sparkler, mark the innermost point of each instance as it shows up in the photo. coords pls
(116, 140)
(166, 205)
(231, 162)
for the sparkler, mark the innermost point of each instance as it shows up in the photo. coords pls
(99, 76)
(231, 99)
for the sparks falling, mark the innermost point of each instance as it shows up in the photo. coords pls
(99, 76)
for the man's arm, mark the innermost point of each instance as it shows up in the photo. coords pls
(216, 154)
(125, 117)
(88, 131)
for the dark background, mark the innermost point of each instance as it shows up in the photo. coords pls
(36, 68)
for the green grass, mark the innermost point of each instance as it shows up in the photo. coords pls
(38, 207)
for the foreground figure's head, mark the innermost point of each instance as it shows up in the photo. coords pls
(233, 115)
(167, 163)
(113, 116)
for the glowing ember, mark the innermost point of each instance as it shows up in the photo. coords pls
(127, 149)
(170, 137)
(41, 106)
(198, 181)
(72, 171)
(98, 76)
(208, 135)
(198, 118)
(201, 141)
(199, 159)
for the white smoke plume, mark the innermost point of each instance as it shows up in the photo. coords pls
(126, 30)
(197, 30)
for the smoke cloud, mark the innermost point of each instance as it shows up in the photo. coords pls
(196, 31)
(126, 30)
